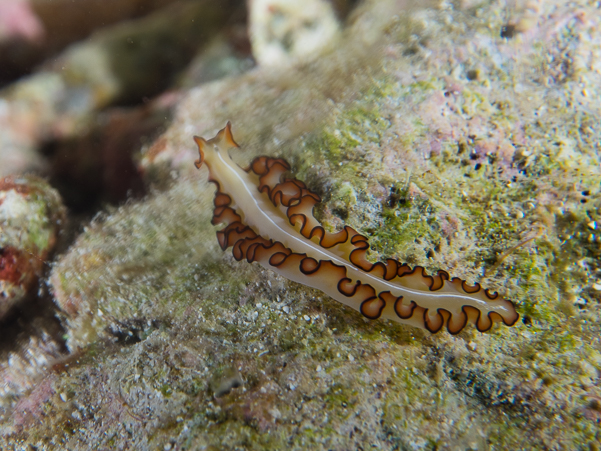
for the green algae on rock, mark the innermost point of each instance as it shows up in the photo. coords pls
(120, 269)
(495, 176)
(31, 217)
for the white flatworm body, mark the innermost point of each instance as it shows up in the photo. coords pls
(269, 219)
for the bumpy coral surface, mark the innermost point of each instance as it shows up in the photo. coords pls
(31, 217)
(460, 137)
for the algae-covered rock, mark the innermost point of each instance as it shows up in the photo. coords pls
(31, 217)
(460, 148)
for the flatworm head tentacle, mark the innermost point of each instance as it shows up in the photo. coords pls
(269, 220)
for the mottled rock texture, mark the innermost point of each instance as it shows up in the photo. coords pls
(31, 218)
(460, 137)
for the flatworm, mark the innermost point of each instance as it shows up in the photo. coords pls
(269, 219)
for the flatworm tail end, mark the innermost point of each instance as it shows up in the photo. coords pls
(335, 263)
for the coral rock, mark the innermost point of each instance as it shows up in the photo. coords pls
(31, 214)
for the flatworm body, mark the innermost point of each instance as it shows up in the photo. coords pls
(269, 219)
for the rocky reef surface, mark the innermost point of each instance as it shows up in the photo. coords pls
(457, 135)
